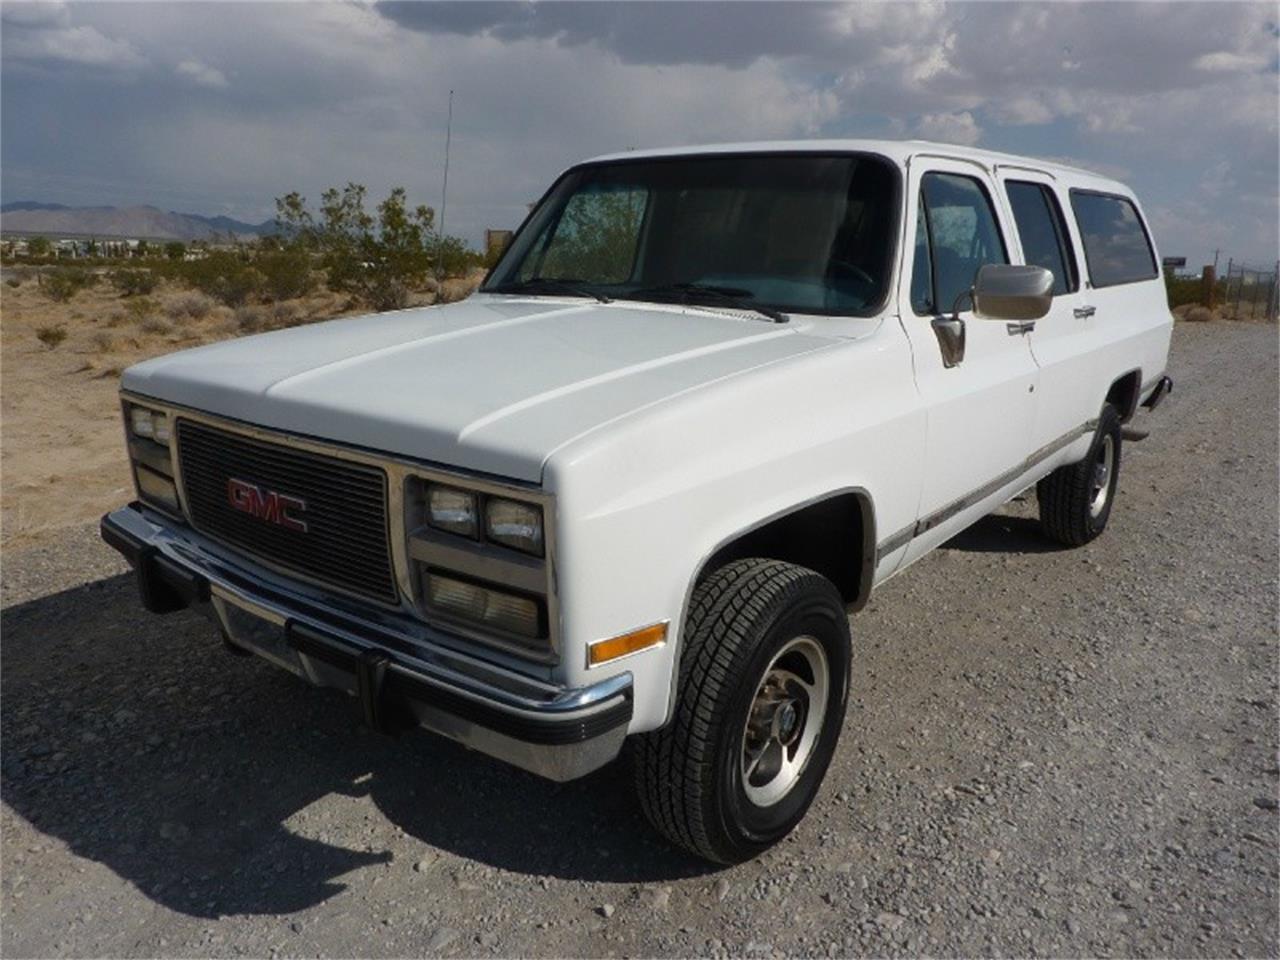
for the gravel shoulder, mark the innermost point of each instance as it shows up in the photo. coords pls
(1047, 752)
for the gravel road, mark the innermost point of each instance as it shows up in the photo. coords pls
(1047, 752)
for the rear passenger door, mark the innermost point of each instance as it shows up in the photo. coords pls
(1061, 340)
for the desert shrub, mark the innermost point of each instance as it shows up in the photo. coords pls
(249, 319)
(13, 282)
(226, 276)
(155, 325)
(195, 306)
(1198, 314)
(286, 274)
(378, 258)
(51, 336)
(105, 342)
(141, 308)
(132, 283)
(450, 257)
(61, 285)
(285, 314)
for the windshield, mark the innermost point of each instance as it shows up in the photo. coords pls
(797, 233)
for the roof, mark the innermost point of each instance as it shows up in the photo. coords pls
(900, 151)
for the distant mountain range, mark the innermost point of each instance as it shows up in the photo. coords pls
(143, 223)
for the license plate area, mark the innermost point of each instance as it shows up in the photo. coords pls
(258, 631)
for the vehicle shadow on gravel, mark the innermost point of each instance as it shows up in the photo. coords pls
(199, 776)
(1000, 533)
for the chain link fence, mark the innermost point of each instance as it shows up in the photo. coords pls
(1249, 291)
(1245, 291)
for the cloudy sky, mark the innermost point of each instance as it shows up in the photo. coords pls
(220, 107)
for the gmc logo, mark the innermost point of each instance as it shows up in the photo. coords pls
(267, 505)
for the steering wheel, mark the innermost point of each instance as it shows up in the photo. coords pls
(856, 270)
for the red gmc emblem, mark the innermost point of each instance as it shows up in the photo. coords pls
(267, 505)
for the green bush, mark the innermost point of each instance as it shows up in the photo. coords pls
(224, 275)
(51, 336)
(1184, 290)
(286, 274)
(377, 259)
(61, 285)
(133, 283)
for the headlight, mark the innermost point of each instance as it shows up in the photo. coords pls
(513, 524)
(505, 611)
(141, 420)
(452, 510)
(149, 435)
(151, 424)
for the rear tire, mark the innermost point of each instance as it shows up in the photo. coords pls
(1076, 499)
(762, 689)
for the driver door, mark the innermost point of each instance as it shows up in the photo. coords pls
(980, 400)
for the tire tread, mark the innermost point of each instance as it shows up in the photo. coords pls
(675, 765)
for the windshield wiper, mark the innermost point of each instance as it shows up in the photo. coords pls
(576, 288)
(729, 296)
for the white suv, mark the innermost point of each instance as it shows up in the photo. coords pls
(708, 399)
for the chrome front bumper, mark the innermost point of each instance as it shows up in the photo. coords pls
(403, 673)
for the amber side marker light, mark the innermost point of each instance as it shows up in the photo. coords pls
(602, 651)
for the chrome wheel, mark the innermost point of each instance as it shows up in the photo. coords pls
(1103, 464)
(784, 721)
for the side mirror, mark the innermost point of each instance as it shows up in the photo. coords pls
(1006, 291)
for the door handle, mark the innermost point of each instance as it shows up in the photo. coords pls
(1019, 328)
(1083, 313)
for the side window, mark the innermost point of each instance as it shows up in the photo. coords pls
(595, 238)
(1115, 241)
(962, 235)
(1043, 232)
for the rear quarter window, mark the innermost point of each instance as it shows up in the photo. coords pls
(1116, 245)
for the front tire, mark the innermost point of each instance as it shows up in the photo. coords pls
(1076, 499)
(764, 678)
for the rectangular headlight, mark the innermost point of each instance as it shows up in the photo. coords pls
(160, 428)
(514, 524)
(453, 510)
(149, 424)
(504, 611)
(156, 488)
(142, 422)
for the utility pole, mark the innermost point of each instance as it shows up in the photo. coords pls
(1215, 260)
(444, 192)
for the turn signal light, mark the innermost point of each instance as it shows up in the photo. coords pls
(602, 651)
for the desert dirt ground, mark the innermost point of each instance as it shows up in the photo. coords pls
(1048, 752)
(60, 436)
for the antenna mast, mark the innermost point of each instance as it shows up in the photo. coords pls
(444, 192)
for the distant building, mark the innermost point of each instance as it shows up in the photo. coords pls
(495, 241)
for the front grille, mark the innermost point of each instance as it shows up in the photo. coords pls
(345, 543)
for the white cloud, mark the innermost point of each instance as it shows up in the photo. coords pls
(959, 128)
(1022, 110)
(202, 74)
(1229, 61)
(52, 39)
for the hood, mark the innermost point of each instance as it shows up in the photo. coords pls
(493, 384)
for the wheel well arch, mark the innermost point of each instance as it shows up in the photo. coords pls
(834, 535)
(1123, 394)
